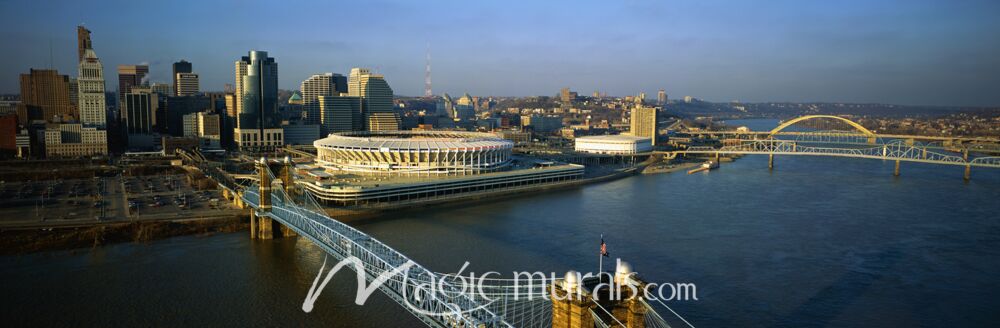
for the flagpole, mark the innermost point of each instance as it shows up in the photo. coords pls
(600, 259)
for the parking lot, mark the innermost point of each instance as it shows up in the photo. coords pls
(97, 198)
(101, 199)
(164, 196)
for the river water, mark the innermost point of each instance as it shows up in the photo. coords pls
(816, 242)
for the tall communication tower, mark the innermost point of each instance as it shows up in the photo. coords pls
(427, 75)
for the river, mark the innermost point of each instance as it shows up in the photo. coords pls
(816, 242)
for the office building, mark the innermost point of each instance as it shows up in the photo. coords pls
(339, 114)
(258, 125)
(74, 140)
(177, 107)
(316, 86)
(376, 96)
(130, 76)
(541, 123)
(82, 42)
(90, 95)
(299, 133)
(186, 84)
(643, 122)
(45, 96)
(182, 66)
(204, 126)
(138, 118)
(661, 97)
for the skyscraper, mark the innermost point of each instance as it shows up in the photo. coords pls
(354, 81)
(643, 122)
(186, 84)
(376, 96)
(129, 76)
(90, 97)
(82, 42)
(138, 112)
(138, 117)
(314, 87)
(339, 114)
(661, 97)
(44, 96)
(258, 125)
(182, 66)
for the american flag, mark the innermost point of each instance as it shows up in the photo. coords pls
(604, 247)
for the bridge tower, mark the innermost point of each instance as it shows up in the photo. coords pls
(607, 296)
(288, 184)
(262, 226)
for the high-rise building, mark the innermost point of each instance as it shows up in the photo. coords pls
(376, 98)
(139, 112)
(182, 66)
(129, 76)
(82, 42)
(90, 97)
(316, 86)
(258, 125)
(643, 122)
(44, 96)
(339, 114)
(354, 81)
(661, 97)
(177, 107)
(205, 127)
(74, 94)
(186, 84)
(564, 96)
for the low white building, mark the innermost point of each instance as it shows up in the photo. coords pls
(614, 144)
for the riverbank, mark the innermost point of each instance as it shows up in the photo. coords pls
(357, 214)
(22, 241)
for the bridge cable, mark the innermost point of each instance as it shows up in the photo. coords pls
(674, 312)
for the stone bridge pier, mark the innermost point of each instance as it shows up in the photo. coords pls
(261, 225)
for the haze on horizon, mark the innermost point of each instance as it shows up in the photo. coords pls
(918, 52)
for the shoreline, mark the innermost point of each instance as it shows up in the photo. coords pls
(356, 215)
(31, 239)
(22, 241)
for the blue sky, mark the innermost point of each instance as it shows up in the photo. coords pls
(933, 52)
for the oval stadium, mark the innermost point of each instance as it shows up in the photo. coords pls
(416, 153)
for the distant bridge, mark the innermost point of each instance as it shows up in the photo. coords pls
(859, 132)
(862, 143)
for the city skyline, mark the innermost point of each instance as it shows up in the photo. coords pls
(900, 52)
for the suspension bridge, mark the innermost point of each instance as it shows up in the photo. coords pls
(279, 208)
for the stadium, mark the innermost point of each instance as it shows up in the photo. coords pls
(413, 153)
